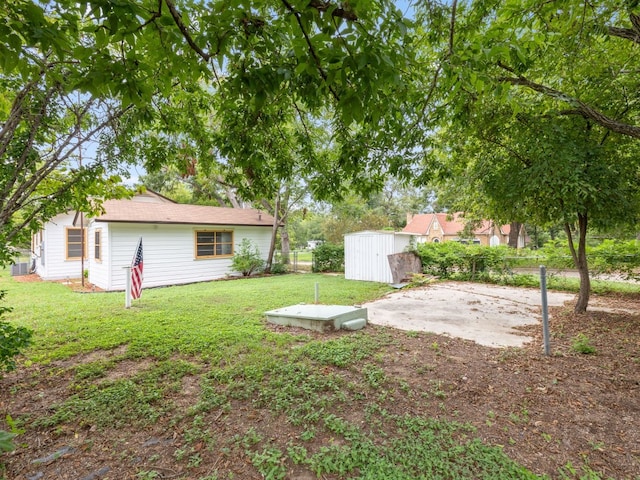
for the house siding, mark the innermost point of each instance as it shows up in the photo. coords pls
(56, 266)
(366, 255)
(169, 253)
(99, 271)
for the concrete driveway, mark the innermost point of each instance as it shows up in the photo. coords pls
(486, 314)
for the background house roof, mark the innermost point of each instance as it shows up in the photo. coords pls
(143, 209)
(450, 224)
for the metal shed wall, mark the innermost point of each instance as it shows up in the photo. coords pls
(365, 254)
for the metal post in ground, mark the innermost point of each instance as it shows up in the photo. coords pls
(545, 310)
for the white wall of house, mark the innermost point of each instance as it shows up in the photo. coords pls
(365, 254)
(99, 269)
(169, 253)
(51, 259)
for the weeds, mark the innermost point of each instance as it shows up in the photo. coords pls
(582, 344)
(269, 462)
(147, 475)
(308, 383)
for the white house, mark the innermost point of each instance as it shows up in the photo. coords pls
(366, 254)
(181, 243)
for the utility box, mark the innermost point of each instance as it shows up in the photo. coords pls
(18, 269)
(366, 254)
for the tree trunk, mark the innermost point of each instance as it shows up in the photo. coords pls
(274, 235)
(580, 261)
(285, 245)
(514, 234)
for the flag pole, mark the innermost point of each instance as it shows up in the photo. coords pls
(127, 288)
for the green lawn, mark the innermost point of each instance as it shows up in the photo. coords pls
(215, 332)
(197, 319)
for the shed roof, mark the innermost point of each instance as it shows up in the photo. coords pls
(142, 210)
(377, 232)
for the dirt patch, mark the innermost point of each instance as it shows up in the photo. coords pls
(127, 369)
(30, 278)
(90, 357)
(74, 284)
(546, 412)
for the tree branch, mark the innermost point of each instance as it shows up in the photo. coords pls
(511, 151)
(632, 34)
(579, 107)
(9, 127)
(626, 33)
(312, 51)
(452, 26)
(177, 18)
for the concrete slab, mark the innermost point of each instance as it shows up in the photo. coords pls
(318, 317)
(486, 314)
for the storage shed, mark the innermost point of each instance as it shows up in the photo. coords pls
(365, 254)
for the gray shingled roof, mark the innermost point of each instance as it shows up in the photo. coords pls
(132, 211)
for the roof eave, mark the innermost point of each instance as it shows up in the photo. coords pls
(170, 222)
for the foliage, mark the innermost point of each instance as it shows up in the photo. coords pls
(6, 443)
(279, 90)
(254, 94)
(278, 268)
(386, 209)
(50, 114)
(563, 283)
(615, 257)
(341, 352)
(609, 257)
(6, 438)
(247, 259)
(328, 257)
(306, 225)
(452, 258)
(523, 52)
(582, 344)
(13, 340)
(336, 226)
(536, 134)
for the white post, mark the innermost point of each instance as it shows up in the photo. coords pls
(127, 288)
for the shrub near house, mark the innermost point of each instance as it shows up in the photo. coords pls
(247, 259)
(328, 258)
(465, 261)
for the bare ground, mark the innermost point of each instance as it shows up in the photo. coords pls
(546, 412)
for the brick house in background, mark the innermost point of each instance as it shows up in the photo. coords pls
(447, 227)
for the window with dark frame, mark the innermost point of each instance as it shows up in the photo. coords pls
(210, 244)
(97, 245)
(75, 239)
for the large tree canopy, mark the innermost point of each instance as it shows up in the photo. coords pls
(579, 57)
(539, 114)
(239, 85)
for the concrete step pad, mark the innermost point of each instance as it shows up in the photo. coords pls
(355, 324)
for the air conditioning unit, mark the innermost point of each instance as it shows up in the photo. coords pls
(18, 269)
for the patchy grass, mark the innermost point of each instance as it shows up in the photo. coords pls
(192, 383)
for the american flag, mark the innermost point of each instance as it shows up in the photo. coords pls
(136, 272)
